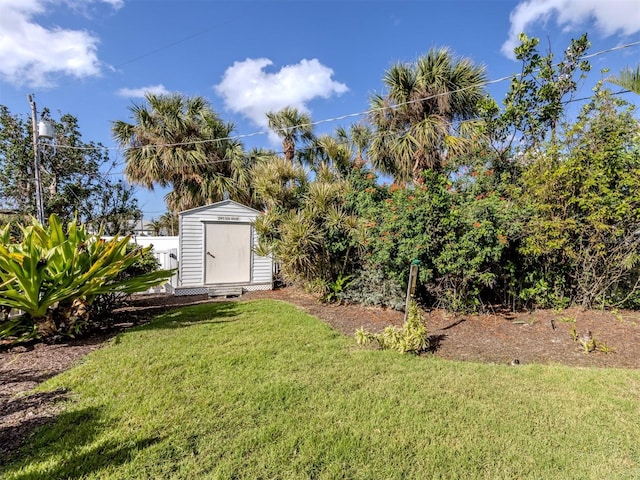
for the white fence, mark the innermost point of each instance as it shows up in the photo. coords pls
(165, 249)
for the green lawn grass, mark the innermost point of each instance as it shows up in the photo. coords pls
(261, 390)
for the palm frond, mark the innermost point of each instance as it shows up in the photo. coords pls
(628, 79)
(424, 102)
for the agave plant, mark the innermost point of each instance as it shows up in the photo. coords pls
(53, 276)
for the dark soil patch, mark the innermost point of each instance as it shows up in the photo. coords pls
(538, 337)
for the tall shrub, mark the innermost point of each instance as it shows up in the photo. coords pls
(583, 236)
(314, 237)
(461, 228)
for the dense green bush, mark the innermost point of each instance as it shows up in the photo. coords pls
(533, 210)
(548, 227)
(314, 238)
(371, 286)
(581, 244)
(403, 224)
(461, 227)
(53, 276)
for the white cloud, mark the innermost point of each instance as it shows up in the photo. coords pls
(248, 89)
(114, 3)
(610, 17)
(142, 91)
(33, 55)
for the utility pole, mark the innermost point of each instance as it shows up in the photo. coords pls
(36, 162)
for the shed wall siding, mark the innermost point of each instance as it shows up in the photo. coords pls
(262, 266)
(191, 251)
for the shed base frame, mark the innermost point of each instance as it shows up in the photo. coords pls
(204, 290)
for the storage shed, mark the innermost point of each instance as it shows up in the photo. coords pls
(217, 251)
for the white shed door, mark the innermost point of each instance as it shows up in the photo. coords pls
(228, 253)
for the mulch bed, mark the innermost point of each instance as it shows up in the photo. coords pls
(542, 337)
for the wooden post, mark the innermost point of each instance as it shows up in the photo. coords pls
(411, 286)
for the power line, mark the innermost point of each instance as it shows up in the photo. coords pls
(612, 49)
(105, 174)
(310, 124)
(346, 142)
(182, 40)
(337, 118)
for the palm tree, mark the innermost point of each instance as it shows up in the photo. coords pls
(278, 184)
(180, 142)
(156, 227)
(341, 152)
(421, 119)
(291, 126)
(327, 151)
(359, 137)
(300, 219)
(170, 223)
(628, 79)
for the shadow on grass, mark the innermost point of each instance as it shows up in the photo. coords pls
(69, 448)
(21, 415)
(201, 314)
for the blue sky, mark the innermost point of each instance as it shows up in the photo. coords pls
(93, 58)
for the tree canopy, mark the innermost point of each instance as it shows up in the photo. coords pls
(420, 120)
(180, 142)
(74, 176)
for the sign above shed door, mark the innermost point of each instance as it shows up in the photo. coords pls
(227, 253)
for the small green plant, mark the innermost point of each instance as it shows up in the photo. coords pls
(363, 337)
(567, 319)
(604, 348)
(412, 337)
(618, 315)
(336, 288)
(587, 342)
(574, 334)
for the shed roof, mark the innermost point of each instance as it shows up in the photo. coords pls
(218, 204)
